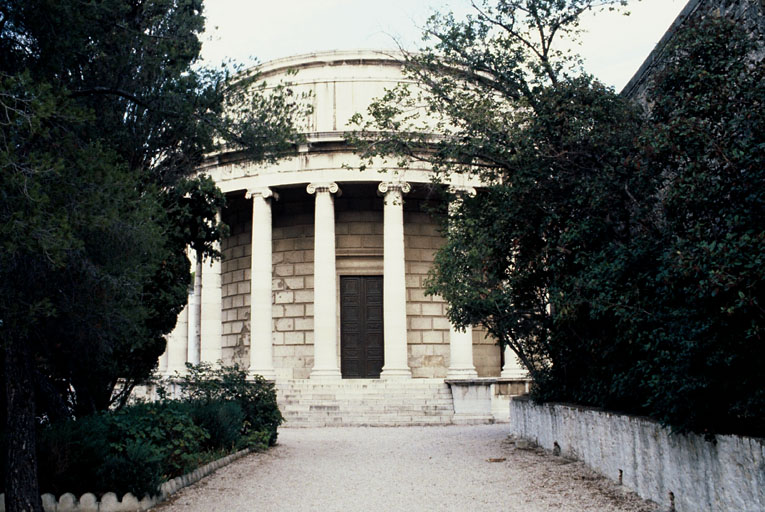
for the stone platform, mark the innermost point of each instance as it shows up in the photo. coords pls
(367, 402)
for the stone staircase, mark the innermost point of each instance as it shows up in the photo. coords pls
(366, 402)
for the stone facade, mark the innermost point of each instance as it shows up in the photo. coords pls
(298, 227)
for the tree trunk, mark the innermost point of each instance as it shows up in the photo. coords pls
(22, 493)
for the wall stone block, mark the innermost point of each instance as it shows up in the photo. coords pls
(294, 310)
(441, 322)
(304, 269)
(304, 296)
(284, 270)
(284, 297)
(294, 283)
(432, 337)
(413, 309)
(304, 243)
(422, 323)
(304, 324)
(432, 309)
(285, 324)
(294, 338)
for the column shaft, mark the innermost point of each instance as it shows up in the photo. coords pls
(261, 348)
(512, 369)
(325, 284)
(460, 343)
(394, 282)
(195, 310)
(177, 344)
(211, 330)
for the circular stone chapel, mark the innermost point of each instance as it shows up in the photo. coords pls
(321, 284)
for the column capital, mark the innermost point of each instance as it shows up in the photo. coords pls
(314, 188)
(263, 192)
(393, 186)
(462, 190)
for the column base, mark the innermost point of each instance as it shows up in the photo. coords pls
(461, 373)
(266, 373)
(325, 374)
(514, 373)
(396, 373)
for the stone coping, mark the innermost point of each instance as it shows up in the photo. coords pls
(478, 381)
(580, 407)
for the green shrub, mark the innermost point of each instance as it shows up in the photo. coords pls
(137, 447)
(223, 421)
(137, 468)
(130, 450)
(255, 440)
(167, 425)
(256, 396)
(69, 455)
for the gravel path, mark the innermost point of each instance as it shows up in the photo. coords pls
(460, 468)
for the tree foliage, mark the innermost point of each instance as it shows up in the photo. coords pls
(104, 115)
(616, 251)
(498, 99)
(707, 288)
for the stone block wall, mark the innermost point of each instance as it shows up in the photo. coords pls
(293, 294)
(235, 282)
(487, 355)
(427, 325)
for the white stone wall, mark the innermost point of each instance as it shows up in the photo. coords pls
(694, 474)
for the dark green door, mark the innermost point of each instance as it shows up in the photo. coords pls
(361, 326)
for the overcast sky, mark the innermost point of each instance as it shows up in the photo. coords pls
(614, 46)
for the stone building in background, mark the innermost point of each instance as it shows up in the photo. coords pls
(321, 286)
(749, 13)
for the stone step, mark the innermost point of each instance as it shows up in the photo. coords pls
(365, 402)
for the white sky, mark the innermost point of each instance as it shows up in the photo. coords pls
(243, 30)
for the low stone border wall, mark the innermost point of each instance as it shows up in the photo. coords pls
(685, 473)
(109, 502)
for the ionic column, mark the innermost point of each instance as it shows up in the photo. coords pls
(512, 368)
(394, 281)
(211, 329)
(460, 342)
(177, 345)
(195, 305)
(261, 348)
(324, 289)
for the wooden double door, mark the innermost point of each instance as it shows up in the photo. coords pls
(361, 326)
